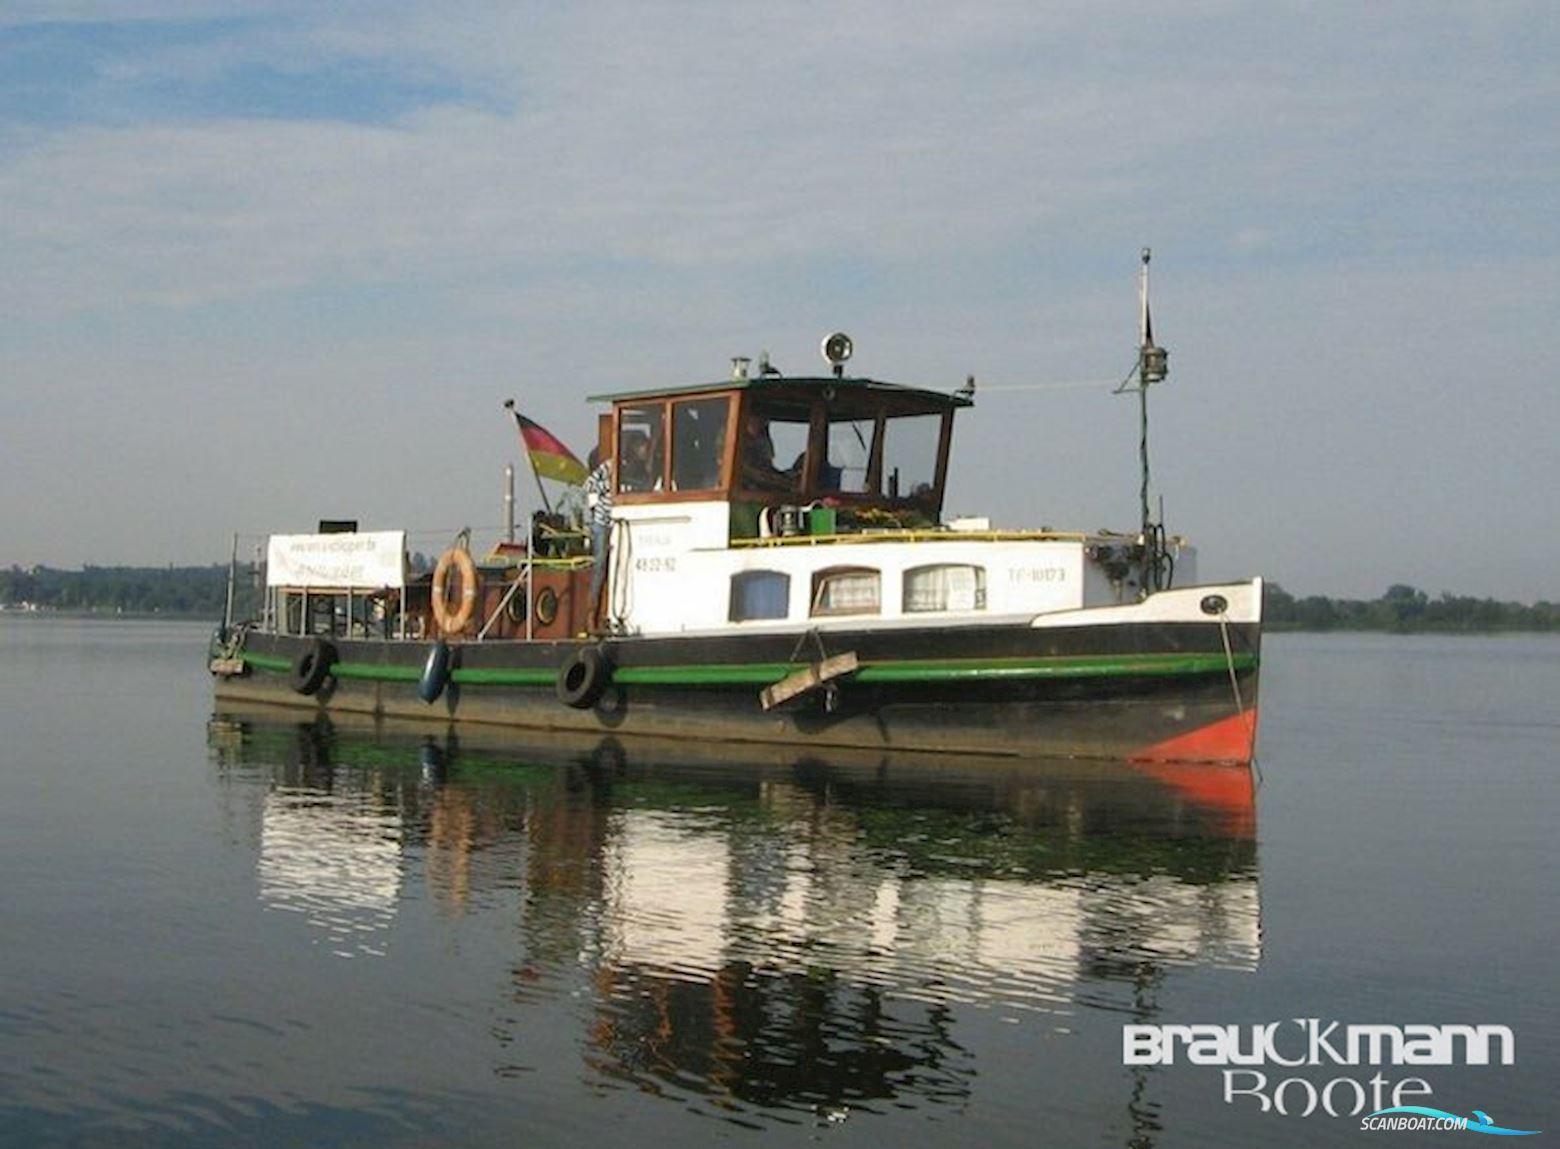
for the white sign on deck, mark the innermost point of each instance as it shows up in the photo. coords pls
(362, 560)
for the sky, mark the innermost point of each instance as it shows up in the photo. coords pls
(267, 263)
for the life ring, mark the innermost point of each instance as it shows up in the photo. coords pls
(584, 677)
(453, 622)
(312, 666)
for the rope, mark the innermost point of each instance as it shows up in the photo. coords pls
(812, 633)
(620, 552)
(1240, 706)
(1067, 385)
(1229, 660)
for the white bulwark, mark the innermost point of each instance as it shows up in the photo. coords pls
(673, 572)
(364, 560)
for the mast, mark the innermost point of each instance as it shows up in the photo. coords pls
(1153, 365)
(227, 607)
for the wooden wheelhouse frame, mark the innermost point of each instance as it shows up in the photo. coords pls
(826, 400)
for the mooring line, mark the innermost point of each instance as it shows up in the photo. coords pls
(1229, 660)
(1240, 706)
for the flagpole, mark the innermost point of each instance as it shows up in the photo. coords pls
(509, 405)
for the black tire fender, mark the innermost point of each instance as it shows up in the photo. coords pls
(584, 677)
(436, 672)
(312, 666)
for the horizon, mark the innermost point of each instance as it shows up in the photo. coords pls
(244, 564)
(272, 265)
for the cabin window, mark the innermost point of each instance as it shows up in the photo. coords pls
(774, 446)
(848, 465)
(760, 595)
(641, 447)
(698, 443)
(910, 456)
(847, 590)
(946, 586)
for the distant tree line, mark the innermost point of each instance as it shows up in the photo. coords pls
(1405, 609)
(202, 591)
(131, 590)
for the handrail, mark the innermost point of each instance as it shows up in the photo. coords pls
(503, 603)
(913, 536)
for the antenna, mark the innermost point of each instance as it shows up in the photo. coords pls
(1153, 366)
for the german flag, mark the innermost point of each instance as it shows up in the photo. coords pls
(550, 459)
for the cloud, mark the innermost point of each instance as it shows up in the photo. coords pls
(296, 206)
(694, 136)
(680, 142)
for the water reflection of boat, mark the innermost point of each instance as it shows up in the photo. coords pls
(335, 860)
(781, 930)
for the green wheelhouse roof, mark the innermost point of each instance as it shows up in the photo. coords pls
(895, 395)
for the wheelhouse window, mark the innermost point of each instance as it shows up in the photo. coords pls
(847, 466)
(698, 443)
(847, 590)
(641, 447)
(944, 587)
(774, 446)
(760, 595)
(910, 456)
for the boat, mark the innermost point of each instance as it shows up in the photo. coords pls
(775, 567)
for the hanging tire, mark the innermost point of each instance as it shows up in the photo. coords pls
(584, 677)
(312, 666)
(436, 672)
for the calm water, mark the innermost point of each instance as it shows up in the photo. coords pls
(238, 930)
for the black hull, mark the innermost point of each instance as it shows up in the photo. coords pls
(1183, 691)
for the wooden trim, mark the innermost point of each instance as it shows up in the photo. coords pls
(820, 577)
(617, 445)
(745, 401)
(944, 443)
(817, 447)
(722, 482)
(875, 456)
(733, 455)
(606, 436)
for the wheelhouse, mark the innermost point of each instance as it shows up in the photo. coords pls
(855, 445)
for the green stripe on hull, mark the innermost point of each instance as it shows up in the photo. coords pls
(378, 672)
(476, 676)
(1078, 666)
(266, 662)
(765, 674)
(375, 673)
(748, 674)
